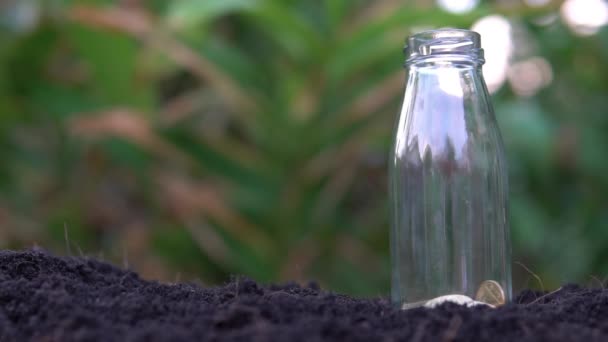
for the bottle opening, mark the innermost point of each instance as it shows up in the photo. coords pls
(447, 44)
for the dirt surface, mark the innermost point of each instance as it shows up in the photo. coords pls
(46, 298)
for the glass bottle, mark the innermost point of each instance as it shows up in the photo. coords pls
(448, 176)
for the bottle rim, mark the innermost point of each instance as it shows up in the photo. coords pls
(445, 43)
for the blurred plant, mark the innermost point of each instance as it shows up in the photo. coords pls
(213, 137)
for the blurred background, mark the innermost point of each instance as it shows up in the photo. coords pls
(195, 139)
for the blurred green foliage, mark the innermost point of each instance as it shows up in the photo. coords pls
(198, 139)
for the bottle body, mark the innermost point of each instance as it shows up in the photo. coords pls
(448, 184)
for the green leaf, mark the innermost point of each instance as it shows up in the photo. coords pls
(377, 36)
(297, 36)
(125, 152)
(60, 101)
(180, 250)
(188, 13)
(234, 63)
(25, 65)
(221, 165)
(337, 10)
(112, 60)
(527, 131)
(247, 259)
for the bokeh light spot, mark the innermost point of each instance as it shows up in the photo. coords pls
(497, 43)
(529, 76)
(457, 6)
(585, 17)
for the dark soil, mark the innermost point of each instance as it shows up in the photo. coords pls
(47, 298)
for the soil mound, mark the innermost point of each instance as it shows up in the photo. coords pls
(49, 298)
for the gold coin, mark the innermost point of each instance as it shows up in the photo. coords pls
(490, 292)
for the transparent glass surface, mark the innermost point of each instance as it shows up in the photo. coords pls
(448, 177)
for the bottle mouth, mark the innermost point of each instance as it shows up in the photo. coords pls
(445, 43)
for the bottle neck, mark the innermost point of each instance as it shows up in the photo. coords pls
(444, 47)
(435, 62)
(442, 80)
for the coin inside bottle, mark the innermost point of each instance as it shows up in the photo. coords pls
(491, 292)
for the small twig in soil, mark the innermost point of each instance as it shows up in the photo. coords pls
(67, 239)
(542, 287)
(68, 243)
(598, 280)
(543, 296)
(79, 251)
(125, 258)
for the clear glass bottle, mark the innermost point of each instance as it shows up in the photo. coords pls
(448, 176)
